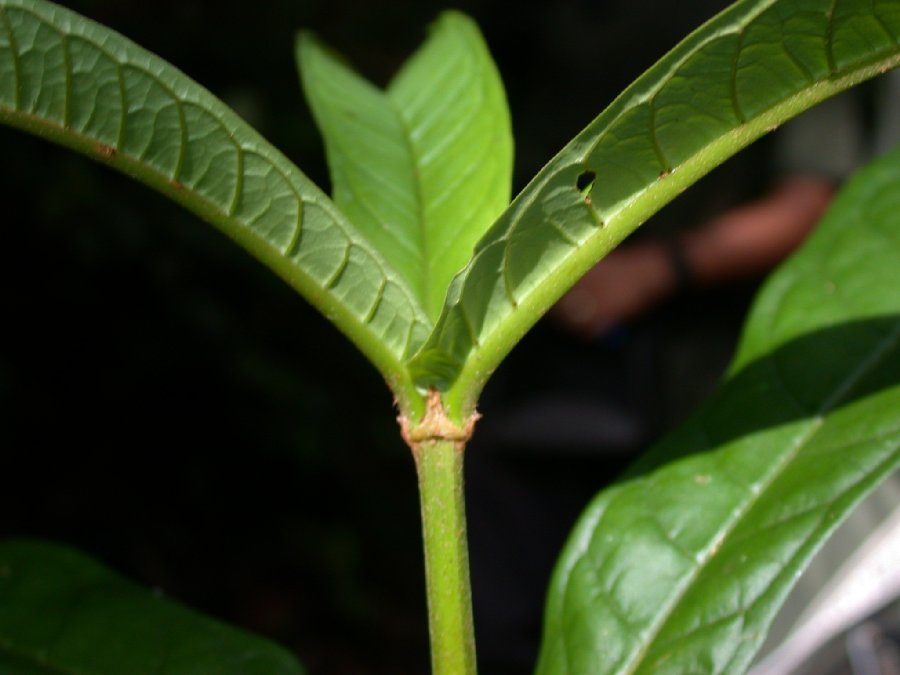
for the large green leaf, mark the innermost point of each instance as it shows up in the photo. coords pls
(741, 74)
(61, 612)
(77, 83)
(425, 167)
(680, 567)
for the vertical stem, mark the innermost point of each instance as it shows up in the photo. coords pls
(439, 464)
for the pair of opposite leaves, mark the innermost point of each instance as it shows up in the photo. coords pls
(421, 171)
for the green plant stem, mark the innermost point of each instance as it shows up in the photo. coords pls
(439, 464)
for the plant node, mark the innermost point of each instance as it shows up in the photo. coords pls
(436, 426)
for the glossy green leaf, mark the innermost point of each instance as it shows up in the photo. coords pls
(62, 613)
(755, 65)
(77, 83)
(425, 167)
(681, 566)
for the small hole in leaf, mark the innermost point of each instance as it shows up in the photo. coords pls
(585, 182)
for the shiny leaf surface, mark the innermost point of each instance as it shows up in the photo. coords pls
(755, 65)
(425, 167)
(61, 612)
(680, 567)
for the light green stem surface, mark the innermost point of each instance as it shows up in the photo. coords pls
(440, 468)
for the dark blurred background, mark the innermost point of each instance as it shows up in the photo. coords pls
(170, 407)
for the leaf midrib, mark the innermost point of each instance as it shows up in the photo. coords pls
(422, 226)
(432, 305)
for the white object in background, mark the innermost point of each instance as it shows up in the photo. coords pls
(869, 580)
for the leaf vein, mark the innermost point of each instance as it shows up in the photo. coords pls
(883, 26)
(418, 200)
(123, 94)
(67, 72)
(733, 86)
(238, 178)
(470, 327)
(802, 67)
(182, 138)
(14, 55)
(654, 138)
(335, 276)
(409, 335)
(740, 513)
(379, 295)
(829, 37)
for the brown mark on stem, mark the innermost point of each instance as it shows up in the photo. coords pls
(105, 151)
(435, 426)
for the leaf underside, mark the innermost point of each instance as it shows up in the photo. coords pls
(61, 613)
(680, 567)
(755, 65)
(424, 167)
(80, 84)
